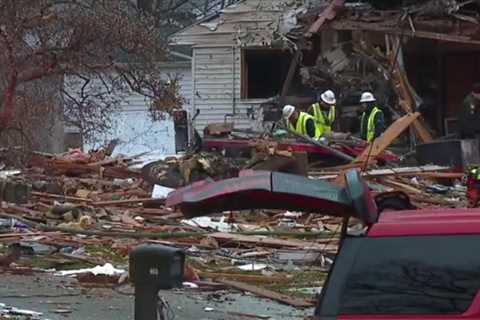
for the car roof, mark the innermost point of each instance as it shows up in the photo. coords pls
(424, 222)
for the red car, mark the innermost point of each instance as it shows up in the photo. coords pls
(410, 265)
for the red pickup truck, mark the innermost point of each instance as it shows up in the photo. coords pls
(410, 264)
(421, 264)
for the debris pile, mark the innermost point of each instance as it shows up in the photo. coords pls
(79, 215)
(174, 173)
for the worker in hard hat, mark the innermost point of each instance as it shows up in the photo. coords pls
(300, 122)
(372, 123)
(323, 112)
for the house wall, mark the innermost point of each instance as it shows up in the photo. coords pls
(135, 129)
(217, 88)
(216, 67)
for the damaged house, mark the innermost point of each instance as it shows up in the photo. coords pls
(240, 59)
(414, 55)
(424, 54)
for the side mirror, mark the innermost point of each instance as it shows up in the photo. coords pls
(362, 199)
(154, 267)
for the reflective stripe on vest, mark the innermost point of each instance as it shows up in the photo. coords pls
(370, 124)
(323, 122)
(301, 126)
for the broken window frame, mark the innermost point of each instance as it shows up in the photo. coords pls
(245, 93)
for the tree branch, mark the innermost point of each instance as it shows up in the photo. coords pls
(9, 92)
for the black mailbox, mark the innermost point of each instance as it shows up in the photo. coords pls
(154, 267)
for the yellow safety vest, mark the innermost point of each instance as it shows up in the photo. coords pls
(475, 173)
(323, 122)
(301, 126)
(370, 124)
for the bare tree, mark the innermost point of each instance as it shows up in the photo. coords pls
(172, 15)
(103, 48)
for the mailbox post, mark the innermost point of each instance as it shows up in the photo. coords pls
(152, 268)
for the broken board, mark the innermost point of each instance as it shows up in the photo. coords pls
(381, 143)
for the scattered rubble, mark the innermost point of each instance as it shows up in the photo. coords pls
(71, 212)
(78, 214)
(8, 312)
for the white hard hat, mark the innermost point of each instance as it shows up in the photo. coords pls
(367, 97)
(328, 97)
(288, 110)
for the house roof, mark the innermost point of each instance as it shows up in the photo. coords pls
(249, 22)
(261, 22)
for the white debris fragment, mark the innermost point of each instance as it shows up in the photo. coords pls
(253, 267)
(311, 291)
(295, 215)
(160, 192)
(414, 180)
(139, 219)
(12, 311)
(107, 269)
(208, 222)
(212, 26)
(190, 285)
(8, 173)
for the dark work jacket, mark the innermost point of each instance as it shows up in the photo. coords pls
(468, 119)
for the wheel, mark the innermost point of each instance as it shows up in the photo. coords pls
(397, 201)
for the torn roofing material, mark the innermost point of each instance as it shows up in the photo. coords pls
(425, 20)
(250, 22)
(327, 15)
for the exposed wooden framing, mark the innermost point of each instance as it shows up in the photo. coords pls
(402, 87)
(243, 75)
(394, 30)
(291, 73)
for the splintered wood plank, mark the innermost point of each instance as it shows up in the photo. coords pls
(254, 278)
(403, 88)
(268, 294)
(114, 203)
(402, 186)
(418, 124)
(420, 128)
(268, 242)
(291, 72)
(382, 142)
